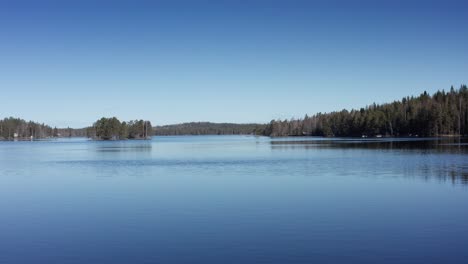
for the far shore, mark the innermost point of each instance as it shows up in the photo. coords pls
(185, 135)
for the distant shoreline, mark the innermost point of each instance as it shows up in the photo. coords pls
(443, 114)
(214, 135)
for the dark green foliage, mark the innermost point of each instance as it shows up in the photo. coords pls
(107, 128)
(113, 129)
(25, 130)
(11, 128)
(207, 128)
(104, 128)
(444, 113)
(139, 129)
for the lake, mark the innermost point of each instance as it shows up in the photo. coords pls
(234, 199)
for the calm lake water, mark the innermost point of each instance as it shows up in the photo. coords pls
(234, 199)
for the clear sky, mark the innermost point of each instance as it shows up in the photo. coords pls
(68, 63)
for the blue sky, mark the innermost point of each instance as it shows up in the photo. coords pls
(68, 63)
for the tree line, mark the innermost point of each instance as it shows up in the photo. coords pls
(105, 129)
(113, 129)
(443, 113)
(12, 128)
(16, 128)
(208, 128)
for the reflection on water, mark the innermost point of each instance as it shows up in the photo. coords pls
(454, 144)
(123, 146)
(443, 159)
(238, 199)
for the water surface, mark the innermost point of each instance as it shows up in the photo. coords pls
(234, 199)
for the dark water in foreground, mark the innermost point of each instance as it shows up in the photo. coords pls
(234, 199)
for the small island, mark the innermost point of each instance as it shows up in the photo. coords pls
(113, 129)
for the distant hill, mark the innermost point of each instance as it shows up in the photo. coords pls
(208, 128)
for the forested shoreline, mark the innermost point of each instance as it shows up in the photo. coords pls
(443, 113)
(16, 128)
(103, 129)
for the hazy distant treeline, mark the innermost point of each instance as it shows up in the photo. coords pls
(70, 132)
(443, 113)
(207, 128)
